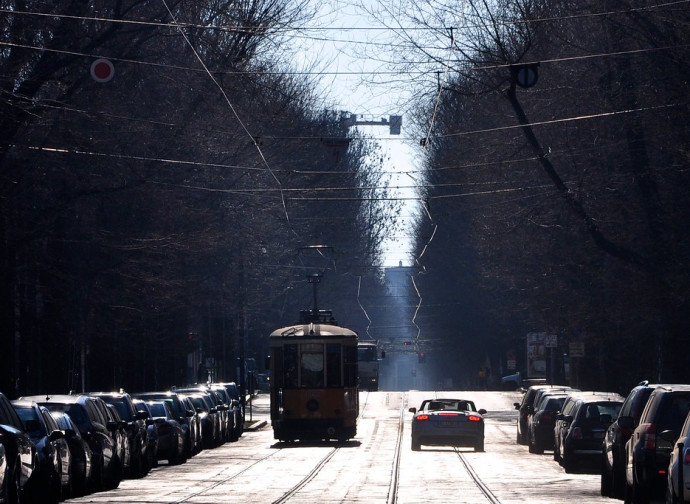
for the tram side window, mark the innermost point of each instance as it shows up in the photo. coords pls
(312, 368)
(334, 377)
(290, 366)
(350, 360)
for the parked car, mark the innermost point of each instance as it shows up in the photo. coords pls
(80, 451)
(151, 431)
(20, 457)
(612, 482)
(170, 433)
(448, 422)
(210, 420)
(135, 427)
(219, 410)
(118, 431)
(182, 415)
(526, 407)
(237, 404)
(86, 413)
(232, 414)
(194, 424)
(678, 481)
(648, 451)
(542, 421)
(580, 427)
(54, 472)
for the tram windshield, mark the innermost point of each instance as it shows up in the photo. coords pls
(315, 365)
(311, 364)
(366, 353)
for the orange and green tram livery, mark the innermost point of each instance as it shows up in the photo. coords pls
(313, 380)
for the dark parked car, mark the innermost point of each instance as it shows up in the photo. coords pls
(617, 435)
(542, 421)
(151, 431)
(219, 410)
(136, 430)
(170, 433)
(194, 424)
(80, 451)
(232, 414)
(580, 427)
(648, 451)
(20, 454)
(237, 404)
(54, 458)
(678, 481)
(182, 415)
(526, 408)
(86, 413)
(118, 430)
(210, 420)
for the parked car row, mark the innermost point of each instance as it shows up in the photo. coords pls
(57, 446)
(567, 421)
(639, 444)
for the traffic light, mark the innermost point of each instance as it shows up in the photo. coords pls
(421, 357)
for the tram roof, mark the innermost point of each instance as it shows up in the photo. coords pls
(314, 330)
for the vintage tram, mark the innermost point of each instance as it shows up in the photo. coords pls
(313, 379)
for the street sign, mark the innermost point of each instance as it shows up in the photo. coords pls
(551, 341)
(102, 70)
(576, 348)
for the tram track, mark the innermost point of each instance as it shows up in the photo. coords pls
(483, 488)
(395, 470)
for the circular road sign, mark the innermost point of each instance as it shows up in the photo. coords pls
(102, 70)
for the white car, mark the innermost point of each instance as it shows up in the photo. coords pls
(448, 422)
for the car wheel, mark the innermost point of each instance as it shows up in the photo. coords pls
(639, 494)
(567, 463)
(415, 445)
(14, 486)
(605, 482)
(670, 497)
(479, 447)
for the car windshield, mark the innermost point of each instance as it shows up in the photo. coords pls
(157, 409)
(450, 405)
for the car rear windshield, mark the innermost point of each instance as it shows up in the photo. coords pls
(674, 409)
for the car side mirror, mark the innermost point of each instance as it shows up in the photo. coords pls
(412, 410)
(482, 411)
(517, 405)
(55, 435)
(626, 422)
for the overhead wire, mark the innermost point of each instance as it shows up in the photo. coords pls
(232, 108)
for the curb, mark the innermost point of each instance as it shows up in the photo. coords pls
(256, 426)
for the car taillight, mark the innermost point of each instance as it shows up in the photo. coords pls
(577, 433)
(686, 457)
(474, 418)
(421, 417)
(648, 436)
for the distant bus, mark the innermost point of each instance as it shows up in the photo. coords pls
(368, 365)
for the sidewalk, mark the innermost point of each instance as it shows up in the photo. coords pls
(257, 412)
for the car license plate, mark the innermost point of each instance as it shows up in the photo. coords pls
(598, 434)
(446, 423)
